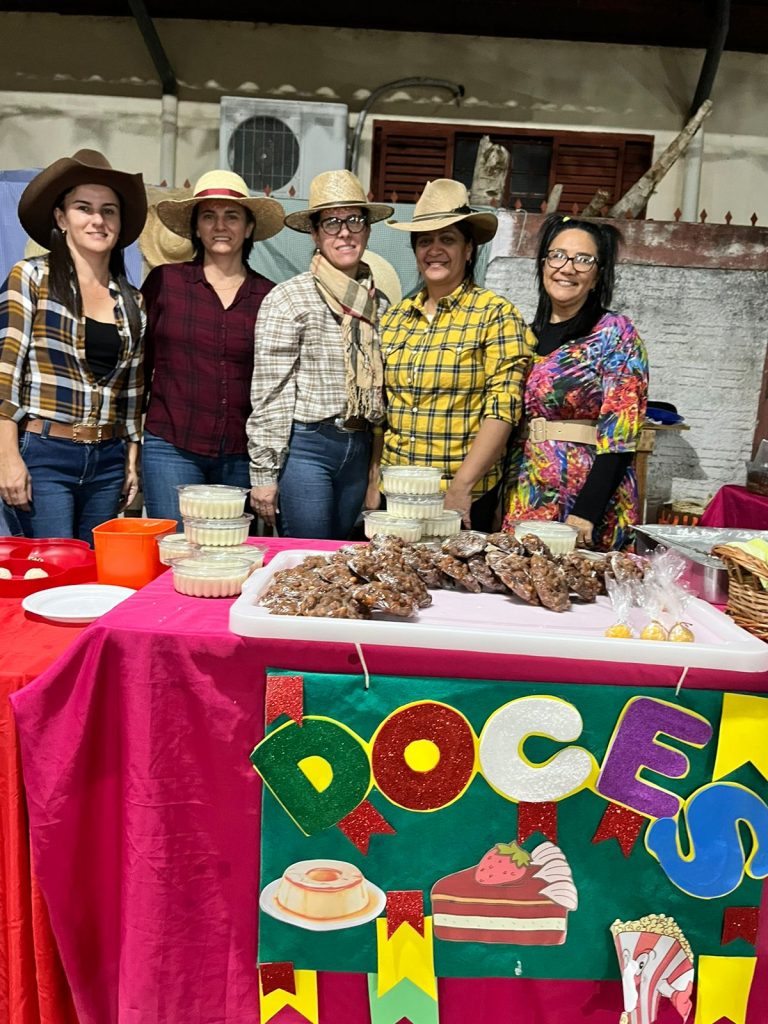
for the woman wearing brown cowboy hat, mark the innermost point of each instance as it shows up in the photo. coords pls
(455, 359)
(71, 349)
(200, 340)
(317, 374)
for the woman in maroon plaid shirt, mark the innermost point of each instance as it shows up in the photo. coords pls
(201, 317)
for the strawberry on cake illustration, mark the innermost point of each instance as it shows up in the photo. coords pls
(511, 896)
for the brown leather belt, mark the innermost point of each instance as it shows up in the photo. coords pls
(539, 429)
(352, 424)
(80, 433)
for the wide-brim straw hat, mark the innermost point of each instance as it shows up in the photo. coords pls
(336, 188)
(385, 277)
(267, 213)
(444, 202)
(86, 167)
(158, 243)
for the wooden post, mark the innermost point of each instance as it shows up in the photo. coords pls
(554, 198)
(490, 174)
(596, 203)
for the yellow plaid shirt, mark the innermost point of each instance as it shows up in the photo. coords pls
(444, 377)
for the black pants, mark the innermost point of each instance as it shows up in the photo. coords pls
(483, 511)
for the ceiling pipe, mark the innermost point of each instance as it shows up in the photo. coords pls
(169, 124)
(434, 83)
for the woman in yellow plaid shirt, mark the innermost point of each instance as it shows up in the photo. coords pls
(455, 360)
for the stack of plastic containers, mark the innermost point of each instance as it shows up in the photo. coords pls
(414, 506)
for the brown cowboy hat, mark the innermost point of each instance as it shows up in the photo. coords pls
(86, 167)
(267, 213)
(331, 189)
(445, 202)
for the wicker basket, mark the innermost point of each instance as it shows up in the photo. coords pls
(747, 599)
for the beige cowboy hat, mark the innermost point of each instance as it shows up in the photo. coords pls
(268, 213)
(336, 188)
(445, 202)
(385, 276)
(86, 167)
(158, 243)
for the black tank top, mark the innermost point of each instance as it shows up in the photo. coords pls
(102, 347)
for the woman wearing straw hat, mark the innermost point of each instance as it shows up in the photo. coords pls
(317, 375)
(71, 351)
(455, 359)
(200, 340)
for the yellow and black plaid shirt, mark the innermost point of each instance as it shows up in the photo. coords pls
(43, 369)
(444, 377)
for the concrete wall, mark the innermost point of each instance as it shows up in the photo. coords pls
(67, 82)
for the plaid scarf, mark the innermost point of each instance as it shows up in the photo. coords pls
(354, 302)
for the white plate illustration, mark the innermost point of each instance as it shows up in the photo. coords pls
(376, 902)
(79, 603)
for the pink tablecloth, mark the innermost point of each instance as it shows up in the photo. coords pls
(145, 816)
(737, 507)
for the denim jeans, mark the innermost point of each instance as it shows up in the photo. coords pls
(74, 486)
(164, 467)
(323, 482)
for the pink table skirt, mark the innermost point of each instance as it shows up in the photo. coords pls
(737, 507)
(145, 815)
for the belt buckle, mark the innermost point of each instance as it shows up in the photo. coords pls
(86, 440)
(339, 423)
(537, 429)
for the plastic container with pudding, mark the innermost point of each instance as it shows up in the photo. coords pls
(126, 550)
(210, 576)
(412, 506)
(174, 546)
(447, 524)
(253, 553)
(560, 538)
(211, 501)
(389, 525)
(218, 533)
(411, 479)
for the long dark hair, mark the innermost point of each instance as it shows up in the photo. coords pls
(466, 232)
(198, 243)
(63, 285)
(607, 239)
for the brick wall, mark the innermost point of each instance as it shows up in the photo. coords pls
(699, 297)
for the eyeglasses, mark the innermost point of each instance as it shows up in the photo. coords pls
(582, 261)
(354, 224)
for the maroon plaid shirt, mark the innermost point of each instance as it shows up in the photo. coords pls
(202, 358)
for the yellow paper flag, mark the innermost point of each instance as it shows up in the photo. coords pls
(723, 988)
(743, 735)
(305, 999)
(406, 955)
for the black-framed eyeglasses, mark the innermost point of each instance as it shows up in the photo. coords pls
(355, 224)
(582, 261)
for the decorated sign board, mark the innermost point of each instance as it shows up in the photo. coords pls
(426, 828)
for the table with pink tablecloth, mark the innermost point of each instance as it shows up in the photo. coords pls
(145, 815)
(736, 507)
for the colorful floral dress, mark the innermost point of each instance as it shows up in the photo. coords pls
(602, 377)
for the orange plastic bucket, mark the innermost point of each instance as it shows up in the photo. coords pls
(126, 550)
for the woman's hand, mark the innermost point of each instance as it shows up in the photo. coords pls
(15, 481)
(264, 502)
(459, 498)
(372, 498)
(585, 528)
(130, 486)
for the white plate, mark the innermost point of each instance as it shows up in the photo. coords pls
(376, 903)
(82, 602)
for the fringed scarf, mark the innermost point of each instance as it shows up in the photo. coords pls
(354, 302)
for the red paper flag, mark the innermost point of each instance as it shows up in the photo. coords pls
(405, 906)
(277, 976)
(285, 696)
(537, 818)
(740, 923)
(621, 824)
(362, 823)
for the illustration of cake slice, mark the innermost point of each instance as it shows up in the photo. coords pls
(511, 896)
(322, 895)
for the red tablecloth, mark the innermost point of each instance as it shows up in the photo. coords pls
(737, 507)
(33, 989)
(145, 815)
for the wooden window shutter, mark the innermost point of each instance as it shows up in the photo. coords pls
(406, 155)
(584, 165)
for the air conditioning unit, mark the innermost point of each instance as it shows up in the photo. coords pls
(281, 144)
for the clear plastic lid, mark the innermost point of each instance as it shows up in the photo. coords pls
(544, 528)
(205, 567)
(418, 500)
(411, 479)
(218, 524)
(254, 553)
(212, 490)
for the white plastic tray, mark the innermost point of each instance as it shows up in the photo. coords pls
(497, 624)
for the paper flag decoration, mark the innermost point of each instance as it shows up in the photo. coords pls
(404, 1001)
(537, 818)
(405, 907)
(655, 960)
(302, 997)
(277, 976)
(743, 729)
(621, 824)
(285, 696)
(723, 988)
(740, 923)
(406, 955)
(362, 823)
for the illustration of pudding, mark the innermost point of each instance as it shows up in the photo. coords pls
(322, 890)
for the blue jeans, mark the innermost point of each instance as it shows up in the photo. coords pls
(164, 467)
(74, 486)
(323, 482)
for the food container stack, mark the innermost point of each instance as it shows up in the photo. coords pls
(415, 508)
(211, 557)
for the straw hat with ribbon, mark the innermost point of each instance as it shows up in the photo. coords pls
(267, 213)
(158, 243)
(444, 202)
(336, 188)
(86, 167)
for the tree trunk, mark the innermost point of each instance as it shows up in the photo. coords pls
(490, 174)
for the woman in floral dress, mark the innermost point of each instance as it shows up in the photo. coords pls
(585, 397)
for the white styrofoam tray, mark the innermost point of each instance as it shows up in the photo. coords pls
(500, 624)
